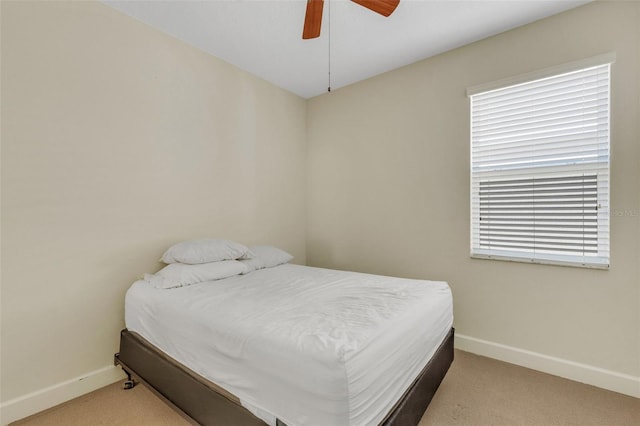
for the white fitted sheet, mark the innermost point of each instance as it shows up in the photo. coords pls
(309, 346)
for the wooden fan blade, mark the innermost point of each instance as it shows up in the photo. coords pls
(312, 19)
(383, 7)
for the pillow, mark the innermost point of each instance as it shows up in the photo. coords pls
(266, 257)
(180, 274)
(194, 252)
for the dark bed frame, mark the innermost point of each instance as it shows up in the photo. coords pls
(208, 404)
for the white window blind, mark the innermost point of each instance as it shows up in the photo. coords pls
(540, 170)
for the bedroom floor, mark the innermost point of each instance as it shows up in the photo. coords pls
(476, 391)
(483, 391)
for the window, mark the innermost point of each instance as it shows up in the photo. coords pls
(540, 170)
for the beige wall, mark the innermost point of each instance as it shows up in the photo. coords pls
(389, 191)
(117, 141)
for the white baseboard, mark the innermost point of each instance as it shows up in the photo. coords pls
(606, 379)
(26, 405)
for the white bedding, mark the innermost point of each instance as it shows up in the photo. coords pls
(309, 346)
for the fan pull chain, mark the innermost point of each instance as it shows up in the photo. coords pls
(329, 43)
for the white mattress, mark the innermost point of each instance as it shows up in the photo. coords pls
(309, 346)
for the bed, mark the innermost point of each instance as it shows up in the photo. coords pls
(292, 345)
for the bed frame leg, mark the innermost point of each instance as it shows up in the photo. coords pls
(129, 383)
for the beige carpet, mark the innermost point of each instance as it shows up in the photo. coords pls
(483, 391)
(476, 391)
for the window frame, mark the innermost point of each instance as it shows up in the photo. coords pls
(603, 235)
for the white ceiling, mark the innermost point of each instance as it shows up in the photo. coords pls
(264, 37)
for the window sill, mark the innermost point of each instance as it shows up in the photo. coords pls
(569, 263)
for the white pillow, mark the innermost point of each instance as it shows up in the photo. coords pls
(180, 274)
(194, 252)
(266, 257)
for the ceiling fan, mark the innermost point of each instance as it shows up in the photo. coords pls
(313, 17)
